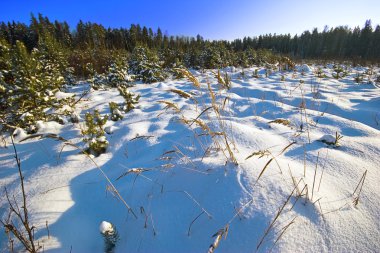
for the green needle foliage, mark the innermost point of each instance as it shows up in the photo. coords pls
(94, 134)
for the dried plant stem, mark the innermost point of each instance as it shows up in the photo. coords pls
(276, 217)
(315, 174)
(28, 242)
(192, 222)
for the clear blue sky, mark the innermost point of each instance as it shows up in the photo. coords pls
(213, 19)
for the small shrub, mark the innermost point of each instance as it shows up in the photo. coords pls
(358, 78)
(110, 235)
(339, 72)
(331, 140)
(130, 98)
(115, 112)
(118, 75)
(255, 74)
(144, 64)
(94, 134)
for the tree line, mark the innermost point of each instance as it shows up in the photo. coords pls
(93, 43)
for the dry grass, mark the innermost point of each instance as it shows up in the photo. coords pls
(170, 105)
(284, 122)
(181, 93)
(189, 76)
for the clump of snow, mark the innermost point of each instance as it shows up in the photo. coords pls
(330, 140)
(305, 68)
(327, 138)
(106, 227)
(101, 139)
(19, 134)
(74, 117)
(110, 129)
(48, 127)
(63, 95)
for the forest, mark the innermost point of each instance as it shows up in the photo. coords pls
(95, 44)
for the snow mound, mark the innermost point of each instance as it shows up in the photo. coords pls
(48, 127)
(110, 129)
(305, 68)
(328, 138)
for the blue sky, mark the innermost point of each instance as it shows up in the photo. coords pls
(213, 19)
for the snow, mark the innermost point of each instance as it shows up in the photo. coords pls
(328, 138)
(304, 68)
(19, 134)
(182, 184)
(63, 95)
(105, 227)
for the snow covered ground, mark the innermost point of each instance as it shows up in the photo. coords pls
(289, 192)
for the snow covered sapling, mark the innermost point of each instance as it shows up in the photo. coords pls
(118, 75)
(115, 112)
(144, 64)
(320, 73)
(339, 72)
(31, 81)
(378, 79)
(110, 236)
(255, 74)
(358, 78)
(94, 134)
(68, 75)
(130, 98)
(331, 140)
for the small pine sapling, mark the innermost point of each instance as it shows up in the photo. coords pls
(319, 73)
(115, 112)
(331, 140)
(255, 74)
(358, 78)
(94, 134)
(110, 235)
(227, 81)
(339, 72)
(130, 98)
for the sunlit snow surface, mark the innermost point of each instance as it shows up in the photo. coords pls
(186, 191)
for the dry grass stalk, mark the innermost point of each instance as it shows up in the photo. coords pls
(276, 217)
(23, 216)
(133, 171)
(260, 154)
(323, 169)
(230, 152)
(218, 237)
(189, 76)
(192, 222)
(181, 93)
(284, 122)
(359, 188)
(219, 77)
(271, 160)
(170, 105)
(315, 174)
(283, 230)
